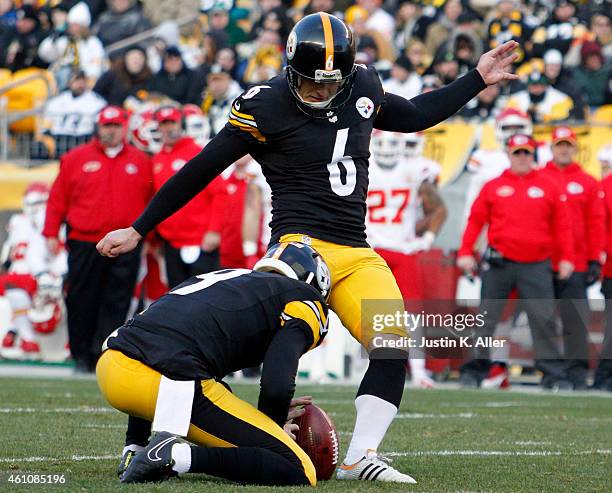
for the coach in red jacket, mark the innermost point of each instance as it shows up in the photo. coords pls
(100, 185)
(527, 217)
(193, 234)
(586, 212)
(603, 374)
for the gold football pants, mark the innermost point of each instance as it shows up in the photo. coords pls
(364, 289)
(218, 419)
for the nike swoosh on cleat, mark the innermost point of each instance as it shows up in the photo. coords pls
(157, 448)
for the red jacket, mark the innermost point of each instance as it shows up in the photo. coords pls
(606, 185)
(95, 194)
(231, 237)
(527, 218)
(203, 213)
(586, 212)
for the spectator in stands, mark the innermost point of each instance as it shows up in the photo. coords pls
(75, 50)
(418, 55)
(19, 45)
(218, 22)
(369, 41)
(276, 20)
(445, 65)
(560, 79)
(220, 93)
(8, 15)
(379, 20)
(267, 60)
(192, 235)
(560, 32)
(542, 102)
(406, 19)
(404, 81)
(467, 47)
(509, 23)
(228, 59)
(174, 78)
(70, 117)
(102, 183)
(527, 220)
(483, 107)
(123, 19)
(593, 77)
(129, 75)
(587, 221)
(442, 29)
(601, 26)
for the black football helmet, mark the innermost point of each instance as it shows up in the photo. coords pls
(297, 261)
(321, 48)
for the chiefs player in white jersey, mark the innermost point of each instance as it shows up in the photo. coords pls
(32, 282)
(405, 212)
(488, 163)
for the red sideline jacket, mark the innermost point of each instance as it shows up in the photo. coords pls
(203, 213)
(231, 237)
(606, 185)
(527, 218)
(95, 194)
(586, 212)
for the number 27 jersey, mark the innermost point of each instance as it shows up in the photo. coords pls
(317, 168)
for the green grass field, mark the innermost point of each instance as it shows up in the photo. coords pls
(449, 440)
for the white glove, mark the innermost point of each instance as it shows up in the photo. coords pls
(420, 244)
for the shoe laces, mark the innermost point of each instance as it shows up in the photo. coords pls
(381, 460)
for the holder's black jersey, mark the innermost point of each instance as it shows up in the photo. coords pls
(220, 322)
(317, 168)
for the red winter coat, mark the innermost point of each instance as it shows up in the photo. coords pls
(95, 194)
(203, 213)
(586, 212)
(527, 217)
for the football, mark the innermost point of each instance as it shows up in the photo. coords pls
(317, 436)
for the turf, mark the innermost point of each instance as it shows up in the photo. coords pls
(449, 440)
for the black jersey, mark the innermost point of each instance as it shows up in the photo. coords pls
(317, 168)
(220, 322)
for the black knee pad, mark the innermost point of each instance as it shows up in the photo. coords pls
(386, 375)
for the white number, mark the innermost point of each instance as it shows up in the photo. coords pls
(335, 173)
(254, 91)
(208, 280)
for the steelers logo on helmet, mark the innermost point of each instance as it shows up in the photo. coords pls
(291, 44)
(321, 48)
(323, 277)
(297, 261)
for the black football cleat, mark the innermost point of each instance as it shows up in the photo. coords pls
(154, 463)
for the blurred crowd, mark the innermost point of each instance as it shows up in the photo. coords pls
(135, 54)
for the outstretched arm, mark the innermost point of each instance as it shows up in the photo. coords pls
(426, 110)
(218, 154)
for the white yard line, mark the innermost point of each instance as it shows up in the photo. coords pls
(496, 453)
(84, 409)
(55, 459)
(434, 415)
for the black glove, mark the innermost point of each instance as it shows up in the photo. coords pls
(593, 273)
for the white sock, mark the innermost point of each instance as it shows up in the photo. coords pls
(134, 447)
(181, 455)
(374, 416)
